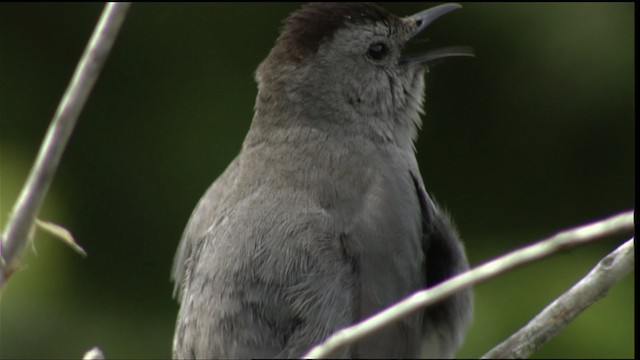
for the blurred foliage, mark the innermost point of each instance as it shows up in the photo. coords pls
(534, 135)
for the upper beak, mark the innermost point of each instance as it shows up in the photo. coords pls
(426, 17)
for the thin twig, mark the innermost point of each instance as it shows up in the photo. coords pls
(26, 208)
(565, 308)
(420, 299)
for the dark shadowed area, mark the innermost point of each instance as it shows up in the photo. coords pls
(534, 135)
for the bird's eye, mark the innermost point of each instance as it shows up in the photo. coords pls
(377, 51)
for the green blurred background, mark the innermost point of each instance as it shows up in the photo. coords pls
(534, 135)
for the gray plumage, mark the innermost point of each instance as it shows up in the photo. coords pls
(323, 219)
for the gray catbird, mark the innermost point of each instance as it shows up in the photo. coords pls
(322, 219)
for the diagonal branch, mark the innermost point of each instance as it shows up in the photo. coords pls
(564, 309)
(423, 298)
(26, 208)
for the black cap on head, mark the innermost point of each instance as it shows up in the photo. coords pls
(307, 28)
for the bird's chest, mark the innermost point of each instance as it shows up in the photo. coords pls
(363, 199)
(383, 240)
(378, 212)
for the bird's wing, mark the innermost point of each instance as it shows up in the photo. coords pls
(444, 258)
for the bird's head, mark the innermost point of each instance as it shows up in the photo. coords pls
(346, 64)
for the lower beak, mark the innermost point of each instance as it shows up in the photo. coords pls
(422, 20)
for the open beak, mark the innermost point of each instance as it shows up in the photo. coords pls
(422, 20)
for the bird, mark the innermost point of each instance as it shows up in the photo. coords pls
(322, 219)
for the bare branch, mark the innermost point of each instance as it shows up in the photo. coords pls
(564, 309)
(26, 208)
(423, 298)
